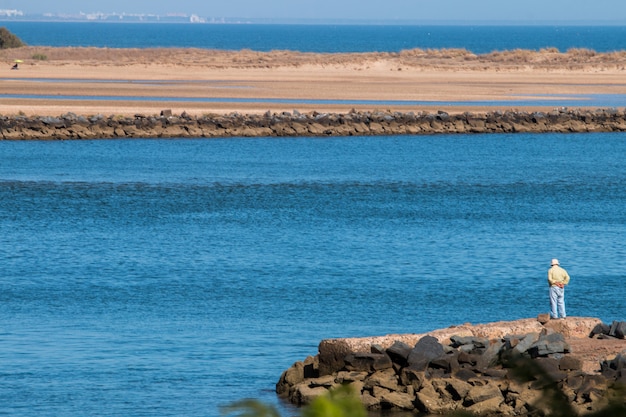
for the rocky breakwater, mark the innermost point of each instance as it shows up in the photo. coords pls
(471, 368)
(291, 124)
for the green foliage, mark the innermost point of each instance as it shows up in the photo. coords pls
(339, 402)
(40, 57)
(250, 408)
(526, 370)
(9, 40)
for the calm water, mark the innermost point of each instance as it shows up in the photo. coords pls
(319, 38)
(168, 277)
(566, 100)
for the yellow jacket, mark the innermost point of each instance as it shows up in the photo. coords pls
(557, 275)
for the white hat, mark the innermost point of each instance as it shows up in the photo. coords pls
(555, 261)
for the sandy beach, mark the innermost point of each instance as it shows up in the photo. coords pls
(76, 79)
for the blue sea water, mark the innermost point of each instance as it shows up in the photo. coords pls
(170, 277)
(319, 38)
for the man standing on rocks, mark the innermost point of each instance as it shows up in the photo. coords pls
(558, 278)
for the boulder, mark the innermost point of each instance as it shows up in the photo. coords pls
(549, 344)
(350, 376)
(385, 379)
(600, 328)
(397, 400)
(304, 394)
(332, 353)
(480, 393)
(618, 329)
(399, 353)
(491, 356)
(368, 362)
(425, 350)
(429, 401)
(522, 344)
(292, 376)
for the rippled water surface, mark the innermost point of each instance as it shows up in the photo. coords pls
(169, 277)
(320, 37)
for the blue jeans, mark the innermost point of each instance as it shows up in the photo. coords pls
(557, 302)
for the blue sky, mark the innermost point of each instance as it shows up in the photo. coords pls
(554, 11)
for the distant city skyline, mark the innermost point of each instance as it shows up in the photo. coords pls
(477, 11)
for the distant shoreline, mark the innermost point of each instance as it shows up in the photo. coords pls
(218, 82)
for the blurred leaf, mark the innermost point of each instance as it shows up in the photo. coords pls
(339, 402)
(249, 408)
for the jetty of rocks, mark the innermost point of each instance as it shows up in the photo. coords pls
(292, 124)
(473, 368)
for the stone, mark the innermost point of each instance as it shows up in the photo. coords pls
(458, 388)
(526, 342)
(478, 394)
(365, 361)
(376, 348)
(491, 356)
(552, 368)
(458, 341)
(429, 401)
(399, 353)
(331, 356)
(311, 367)
(465, 374)
(600, 328)
(369, 401)
(549, 344)
(304, 394)
(166, 113)
(295, 374)
(425, 350)
(350, 376)
(386, 379)
(446, 362)
(397, 400)
(467, 358)
(570, 363)
(327, 381)
(488, 407)
(543, 318)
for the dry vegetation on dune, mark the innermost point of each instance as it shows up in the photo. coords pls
(546, 59)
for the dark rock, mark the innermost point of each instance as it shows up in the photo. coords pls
(478, 394)
(446, 362)
(397, 400)
(425, 350)
(620, 329)
(377, 349)
(399, 353)
(465, 374)
(600, 328)
(458, 341)
(552, 368)
(617, 364)
(491, 356)
(543, 318)
(365, 361)
(468, 358)
(331, 356)
(549, 344)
